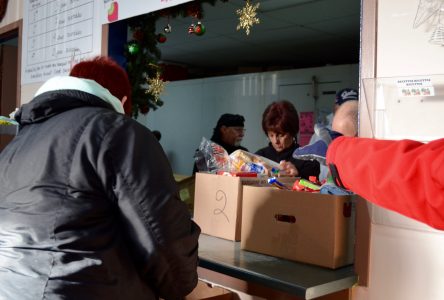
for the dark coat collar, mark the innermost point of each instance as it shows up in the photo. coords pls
(51, 103)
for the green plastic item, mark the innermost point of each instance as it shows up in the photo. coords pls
(308, 184)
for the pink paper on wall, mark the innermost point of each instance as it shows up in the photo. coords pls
(306, 125)
(306, 122)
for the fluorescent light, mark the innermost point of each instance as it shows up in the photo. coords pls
(272, 5)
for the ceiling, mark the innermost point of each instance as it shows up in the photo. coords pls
(291, 34)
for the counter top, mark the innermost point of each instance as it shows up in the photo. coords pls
(302, 280)
(8, 129)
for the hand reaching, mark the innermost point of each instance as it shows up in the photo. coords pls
(288, 169)
(318, 150)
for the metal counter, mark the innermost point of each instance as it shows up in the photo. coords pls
(8, 129)
(302, 280)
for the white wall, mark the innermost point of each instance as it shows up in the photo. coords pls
(405, 258)
(192, 107)
(403, 50)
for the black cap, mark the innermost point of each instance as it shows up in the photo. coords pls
(346, 95)
(230, 120)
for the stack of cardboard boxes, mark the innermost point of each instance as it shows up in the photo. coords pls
(306, 227)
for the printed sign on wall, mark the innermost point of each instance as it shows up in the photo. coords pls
(115, 10)
(415, 87)
(57, 34)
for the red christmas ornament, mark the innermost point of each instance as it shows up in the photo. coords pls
(199, 29)
(138, 35)
(191, 29)
(161, 38)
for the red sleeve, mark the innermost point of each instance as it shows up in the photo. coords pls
(404, 176)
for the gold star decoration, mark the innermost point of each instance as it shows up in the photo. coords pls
(155, 86)
(247, 16)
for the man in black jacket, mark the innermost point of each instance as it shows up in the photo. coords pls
(89, 208)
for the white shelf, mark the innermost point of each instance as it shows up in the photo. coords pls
(405, 107)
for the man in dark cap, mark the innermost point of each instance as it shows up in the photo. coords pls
(228, 133)
(342, 96)
(345, 95)
(322, 130)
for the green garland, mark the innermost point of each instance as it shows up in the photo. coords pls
(142, 53)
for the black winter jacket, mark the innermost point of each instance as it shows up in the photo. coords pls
(306, 168)
(89, 208)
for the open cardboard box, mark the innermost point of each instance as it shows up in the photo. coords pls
(305, 227)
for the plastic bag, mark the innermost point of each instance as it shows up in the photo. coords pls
(211, 157)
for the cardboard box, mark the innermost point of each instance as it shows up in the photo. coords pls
(186, 189)
(218, 204)
(204, 291)
(306, 227)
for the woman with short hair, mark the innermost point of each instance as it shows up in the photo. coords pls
(280, 123)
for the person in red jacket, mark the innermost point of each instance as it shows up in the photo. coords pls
(404, 176)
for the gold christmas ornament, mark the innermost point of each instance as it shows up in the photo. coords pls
(155, 86)
(247, 16)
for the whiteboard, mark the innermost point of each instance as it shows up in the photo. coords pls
(56, 35)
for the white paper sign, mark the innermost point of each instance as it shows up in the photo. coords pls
(56, 34)
(115, 10)
(414, 87)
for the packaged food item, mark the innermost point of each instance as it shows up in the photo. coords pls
(212, 157)
(244, 161)
(303, 185)
(7, 121)
(237, 174)
(8, 126)
(275, 182)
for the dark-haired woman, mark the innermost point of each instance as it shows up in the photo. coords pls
(280, 123)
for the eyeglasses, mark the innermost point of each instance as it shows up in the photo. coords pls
(238, 129)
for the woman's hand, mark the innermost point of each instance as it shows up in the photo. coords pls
(288, 168)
